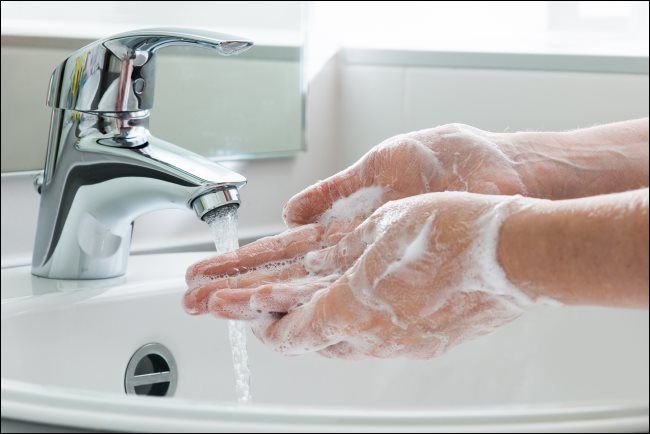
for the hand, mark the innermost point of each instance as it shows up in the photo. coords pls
(416, 278)
(455, 157)
(452, 157)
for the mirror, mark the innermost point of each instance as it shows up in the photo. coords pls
(245, 106)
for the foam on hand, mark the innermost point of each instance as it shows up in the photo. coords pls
(360, 203)
(477, 294)
(419, 266)
(483, 271)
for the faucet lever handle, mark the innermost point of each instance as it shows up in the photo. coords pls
(117, 73)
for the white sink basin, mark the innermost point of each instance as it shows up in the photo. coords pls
(65, 347)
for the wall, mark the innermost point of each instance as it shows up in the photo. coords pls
(380, 100)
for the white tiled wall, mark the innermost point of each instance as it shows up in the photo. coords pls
(380, 101)
(372, 107)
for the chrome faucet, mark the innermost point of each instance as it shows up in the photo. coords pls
(103, 167)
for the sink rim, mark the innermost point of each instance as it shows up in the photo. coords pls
(87, 409)
(137, 275)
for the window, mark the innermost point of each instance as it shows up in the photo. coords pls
(566, 27)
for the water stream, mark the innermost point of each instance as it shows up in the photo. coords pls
(223, 224)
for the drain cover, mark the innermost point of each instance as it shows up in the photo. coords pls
(151, 371)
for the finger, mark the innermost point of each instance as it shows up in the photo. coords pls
(338, 228)
(251, 303)
(286, 297)
(311, 327)
(342, 255)
(195, 300)
(287, 245)
(232, 304)
(308, 205)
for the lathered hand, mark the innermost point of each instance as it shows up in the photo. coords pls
(414, 279)
(452, 157)
(376, 264)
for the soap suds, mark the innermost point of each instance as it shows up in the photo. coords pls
(484, 272)
(360, 203)
(414, 250)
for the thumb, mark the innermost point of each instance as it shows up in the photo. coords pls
(308, 205)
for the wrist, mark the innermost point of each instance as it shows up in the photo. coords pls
(544, 163)
(485, 252)
(587, 251)
(574, 164)
(519, 243)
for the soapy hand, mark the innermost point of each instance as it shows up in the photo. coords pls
(456, 157)
(452, 157)
(414, 279)
(359, 275)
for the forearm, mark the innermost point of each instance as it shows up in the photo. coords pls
(590, 251)
(563, 165)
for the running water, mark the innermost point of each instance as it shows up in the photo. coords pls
(223, 224)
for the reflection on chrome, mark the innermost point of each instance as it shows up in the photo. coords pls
(104, 168)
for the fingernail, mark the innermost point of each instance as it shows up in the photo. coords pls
(189, 307)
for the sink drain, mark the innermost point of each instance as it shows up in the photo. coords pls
(151, 371)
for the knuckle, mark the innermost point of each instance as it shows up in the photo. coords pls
(451, 128)
(262, 297)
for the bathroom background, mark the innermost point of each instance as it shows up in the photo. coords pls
(326, 81)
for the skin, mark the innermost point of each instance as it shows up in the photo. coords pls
(604, 159)
(589, 251)
(341, 287)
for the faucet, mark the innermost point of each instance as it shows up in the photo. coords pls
(103, 168)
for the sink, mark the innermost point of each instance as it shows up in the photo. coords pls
(66, 346)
